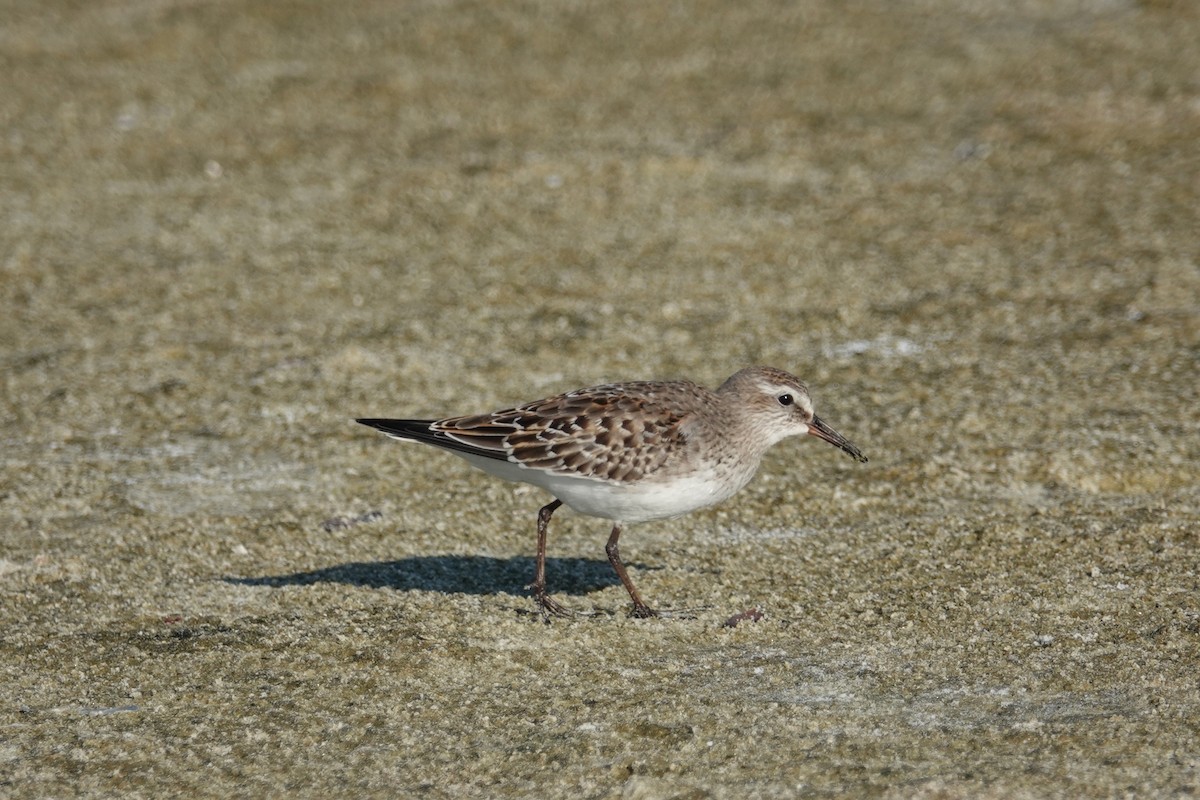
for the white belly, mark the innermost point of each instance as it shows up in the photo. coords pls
(638, 502)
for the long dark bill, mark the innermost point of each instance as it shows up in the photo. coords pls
(820, 430)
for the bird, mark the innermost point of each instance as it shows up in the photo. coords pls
(630, 452)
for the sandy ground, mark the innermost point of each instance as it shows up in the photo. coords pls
(229, 228)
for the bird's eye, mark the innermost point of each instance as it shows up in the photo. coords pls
(785, 400)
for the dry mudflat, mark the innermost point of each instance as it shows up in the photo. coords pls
(229, 228)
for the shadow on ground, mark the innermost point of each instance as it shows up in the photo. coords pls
(453, 574)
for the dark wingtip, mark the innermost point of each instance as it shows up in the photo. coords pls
(394, 426)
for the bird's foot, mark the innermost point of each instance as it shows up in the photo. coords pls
(548, 605)
(643, 611)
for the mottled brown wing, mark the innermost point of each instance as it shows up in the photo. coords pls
(619, 432)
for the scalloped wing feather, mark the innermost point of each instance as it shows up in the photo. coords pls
(619, 433)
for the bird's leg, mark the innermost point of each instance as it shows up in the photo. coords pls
(547, 605)
(640, 609)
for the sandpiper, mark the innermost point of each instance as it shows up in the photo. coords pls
(630, 452)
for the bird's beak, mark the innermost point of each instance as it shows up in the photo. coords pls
(820, 430)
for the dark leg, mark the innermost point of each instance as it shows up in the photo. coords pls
(640, 609)
(538, 586)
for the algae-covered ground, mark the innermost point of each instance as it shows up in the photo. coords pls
(229, 228)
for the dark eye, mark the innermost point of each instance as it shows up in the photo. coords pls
(785, 400)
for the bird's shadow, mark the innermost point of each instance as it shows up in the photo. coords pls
(452, 574)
